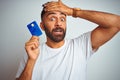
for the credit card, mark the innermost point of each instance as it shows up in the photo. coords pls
(34, 29)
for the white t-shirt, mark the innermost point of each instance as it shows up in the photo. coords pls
(65, 63)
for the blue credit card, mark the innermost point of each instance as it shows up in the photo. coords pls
(34, 29)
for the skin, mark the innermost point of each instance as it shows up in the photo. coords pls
(108, 23)
(32, 50)
(51, 21)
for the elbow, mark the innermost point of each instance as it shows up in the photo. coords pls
(118, 23)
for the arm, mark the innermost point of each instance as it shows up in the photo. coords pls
(109, 24)
(33, 51)
(27, 72)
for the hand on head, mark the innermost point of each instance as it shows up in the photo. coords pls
(58, 6)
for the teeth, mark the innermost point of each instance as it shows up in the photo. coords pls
(58, 30)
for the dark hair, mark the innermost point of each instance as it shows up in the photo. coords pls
(42, 13)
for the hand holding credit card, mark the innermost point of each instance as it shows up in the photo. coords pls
(34, 29)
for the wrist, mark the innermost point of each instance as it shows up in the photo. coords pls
(74, 11)
(31, 60)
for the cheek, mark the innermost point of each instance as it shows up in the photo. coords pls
(64, 26)
(49, 26)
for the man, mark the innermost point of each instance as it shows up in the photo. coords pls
(60, 59)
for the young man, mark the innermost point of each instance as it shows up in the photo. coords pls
(60, 59)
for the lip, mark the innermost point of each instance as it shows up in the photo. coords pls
(58, 32)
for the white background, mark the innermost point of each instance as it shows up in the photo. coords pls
(16, 14)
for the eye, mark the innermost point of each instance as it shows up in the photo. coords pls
(62, 19)
(52, 19)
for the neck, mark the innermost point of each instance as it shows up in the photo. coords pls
(53, 44)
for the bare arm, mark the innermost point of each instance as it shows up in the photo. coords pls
(33, 52)
(109, 24)
(27, 73)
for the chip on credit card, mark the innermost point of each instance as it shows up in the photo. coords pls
(34, 29)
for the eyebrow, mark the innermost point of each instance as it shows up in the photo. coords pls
(55, 13)
(63, 13)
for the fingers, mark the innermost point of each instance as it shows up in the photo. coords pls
(57, 6)
(33, 43)
(51, 6)
(34, 38)
(59, 1)
(52, 3)
(49, 3)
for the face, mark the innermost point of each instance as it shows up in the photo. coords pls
(54, 24)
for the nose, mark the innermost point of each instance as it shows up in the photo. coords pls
(58, 23)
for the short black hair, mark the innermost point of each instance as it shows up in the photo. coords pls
(42, 13)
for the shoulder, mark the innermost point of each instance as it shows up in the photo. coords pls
(81, 40)
(83, 37)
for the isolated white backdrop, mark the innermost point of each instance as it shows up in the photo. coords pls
(16, 14)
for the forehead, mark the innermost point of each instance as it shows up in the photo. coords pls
(57, 13)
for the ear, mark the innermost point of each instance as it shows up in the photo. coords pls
(42, 26)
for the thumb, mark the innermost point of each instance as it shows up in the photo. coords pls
(35, 37)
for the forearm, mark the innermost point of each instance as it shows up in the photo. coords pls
(101, 18)
(27, 73)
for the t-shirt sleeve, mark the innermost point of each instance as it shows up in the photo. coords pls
(84, 42)
(21, 65)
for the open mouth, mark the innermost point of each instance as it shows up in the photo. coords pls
(58, 31)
